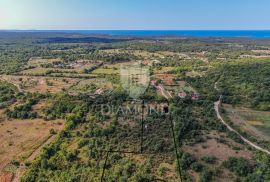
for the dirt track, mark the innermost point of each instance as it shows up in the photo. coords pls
(17, 175)
(17, 86)
(217, 106)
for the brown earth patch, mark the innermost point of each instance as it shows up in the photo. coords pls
(213, 148)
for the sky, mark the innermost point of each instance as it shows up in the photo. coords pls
(135, 14)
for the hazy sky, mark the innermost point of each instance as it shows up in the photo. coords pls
(134, 14)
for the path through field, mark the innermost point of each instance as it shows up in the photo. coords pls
(16, 85)
(165, 93)
(18, 173)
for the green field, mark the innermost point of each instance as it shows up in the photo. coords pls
(257, 123)
(106, 71)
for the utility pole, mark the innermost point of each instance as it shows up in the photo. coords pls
(104, 166)
(174, 140)
(142, 125)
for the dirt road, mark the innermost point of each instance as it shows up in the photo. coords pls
(217, 106)
(18, 173)
(17, 86)
(165, 93)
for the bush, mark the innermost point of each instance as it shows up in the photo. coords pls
(52, 131)
(197, 167)
(209, 159)
(186, 161)
(239, 166)
(205, 176)
(15, 163)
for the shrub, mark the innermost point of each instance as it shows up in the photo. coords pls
(239, 166)
(15, 163)
(52, 131)
(209, 159)
(196, 166)
(186, 160)
(205, 176)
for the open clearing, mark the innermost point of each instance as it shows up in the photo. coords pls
(37, 61)
(91, 85)
(20, 138)
(106, 71)
(112, 68)
(40, 84)
(163, 70)
(256, 123)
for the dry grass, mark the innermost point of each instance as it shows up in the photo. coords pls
(106, 71)
(139, 53)
(261, 51)
(20, 138)
(35, 71)
(83, 85)
(41, 84)
(164, 70)
(256, 123)
(221, 151)
(6, 177)
(36, 61)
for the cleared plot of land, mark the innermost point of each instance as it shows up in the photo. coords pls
(40, 84)
(139, 53)
(37, 61)
(48, 71)
(39, 66)
(255, 56)
(106, 71)
(213, 148)
(148, 55)
(194, 73)
(256, 123)
(91, 85)
(180, 55)
(72, 75)
(112, 68)
(262, 51)
(179, 86)
(36, 71)
(20, 138)
(172, 86)
(162, 70)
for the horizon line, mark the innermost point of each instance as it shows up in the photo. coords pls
(134, 29)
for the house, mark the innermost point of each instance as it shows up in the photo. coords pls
(156, 61)
(154, 83)
(195, 96)
(99, 91)
(182, 95)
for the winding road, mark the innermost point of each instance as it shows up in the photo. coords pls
(217, 107)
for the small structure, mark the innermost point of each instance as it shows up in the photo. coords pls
(195, 96)
(182, 95)
(154, 83)
(99, 91)
(156, 61)
(146, 127)
(166, 109)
